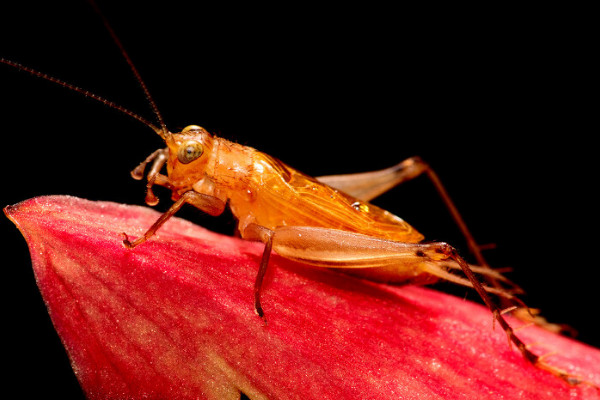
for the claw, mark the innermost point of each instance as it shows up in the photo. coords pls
(126, 241)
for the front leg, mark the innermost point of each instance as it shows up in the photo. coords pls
(209, 204)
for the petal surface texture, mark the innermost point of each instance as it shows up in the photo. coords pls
(174, 319)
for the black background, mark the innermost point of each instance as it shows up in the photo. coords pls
(495, 100)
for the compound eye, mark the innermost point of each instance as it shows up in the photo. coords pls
(192, 128)
(189, 151)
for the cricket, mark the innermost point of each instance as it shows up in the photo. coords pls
(325, 221)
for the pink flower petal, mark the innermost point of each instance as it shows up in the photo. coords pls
(174, 319)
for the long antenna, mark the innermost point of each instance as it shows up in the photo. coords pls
(84, 92)
(138, 77)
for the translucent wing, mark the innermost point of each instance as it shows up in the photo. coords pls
(287, 197)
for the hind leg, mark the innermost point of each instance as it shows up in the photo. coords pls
(368, 185)
(332, 248)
